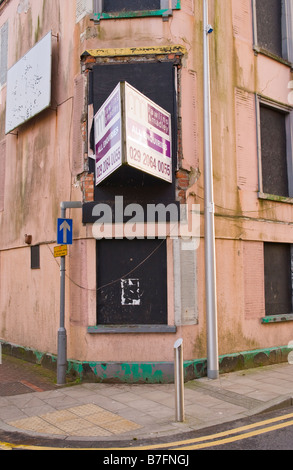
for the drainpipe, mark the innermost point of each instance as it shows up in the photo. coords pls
(62, 337)
(210, 263)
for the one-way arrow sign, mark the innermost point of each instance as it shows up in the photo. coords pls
(64, 231)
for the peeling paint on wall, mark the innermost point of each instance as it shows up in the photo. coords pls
(130, 292)
(23, 6)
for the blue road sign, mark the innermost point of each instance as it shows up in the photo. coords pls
(64, 231)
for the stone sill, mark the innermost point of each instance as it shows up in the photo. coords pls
(106, 329)
(271, 55)
(165, 13)
(272, 197)
(277, 318)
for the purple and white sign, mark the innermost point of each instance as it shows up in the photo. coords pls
(146, 127)
(148, 135)
(108, 142)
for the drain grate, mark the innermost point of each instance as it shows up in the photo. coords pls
(13, 388)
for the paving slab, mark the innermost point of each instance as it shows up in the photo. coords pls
(105, 412)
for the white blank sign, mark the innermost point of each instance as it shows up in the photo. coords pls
(29, 84)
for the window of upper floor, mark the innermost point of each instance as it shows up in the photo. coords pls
(114, 9)
(275, 137)
(273, 28)
(109, 9)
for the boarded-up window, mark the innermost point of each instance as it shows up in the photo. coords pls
(274, 151)
(157, 82)
(105, 9)
(131, 5)
(35, 257)
(278, 278)
(269, 25)
(273, 27)
(132, 282)
(3, 53)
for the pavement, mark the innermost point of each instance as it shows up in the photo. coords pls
(32, 406)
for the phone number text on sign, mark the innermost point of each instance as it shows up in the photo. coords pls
(108, 151)
(148, 150)
(108, 163)
(108, 131)
(146, 161)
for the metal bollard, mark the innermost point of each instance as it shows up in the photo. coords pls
(179, 380)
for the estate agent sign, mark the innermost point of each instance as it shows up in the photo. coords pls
(130, 129)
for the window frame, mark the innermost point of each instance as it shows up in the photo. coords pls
(164, 11)
(281, 316)
(288, 111)
(287, 34)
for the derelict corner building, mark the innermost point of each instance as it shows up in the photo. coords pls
(113, 110)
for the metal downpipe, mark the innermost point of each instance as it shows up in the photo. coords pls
(210, 263)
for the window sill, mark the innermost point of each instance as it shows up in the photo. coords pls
(271, 55)
(277, 318)
(165, 11)
(97, 17)
(112, 329)
(273, 197)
